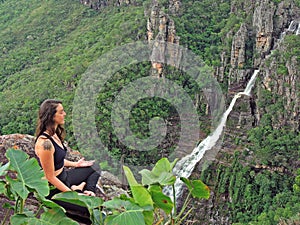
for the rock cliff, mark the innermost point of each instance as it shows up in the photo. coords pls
(263, 41)
(267, 30)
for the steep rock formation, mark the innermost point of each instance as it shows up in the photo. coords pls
(260, 44)
(237, 74)
(280, 79)
(161, 30)
(270, 23)
(263, 28)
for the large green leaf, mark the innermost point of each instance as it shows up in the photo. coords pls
(54, 216)
(29, 172)
(163, 165)
(2, 187)
(141, 196)
(164, 178)
(82, 200)
(139, 192)
(91, 203)
(18, 187)
(160, 174)
(131, 213)
(3, 171)
(19, 219)
(197, 188)
(148, 217)
(161, 200)
(48, 203)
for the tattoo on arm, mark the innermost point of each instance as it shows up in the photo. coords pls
(47, 145)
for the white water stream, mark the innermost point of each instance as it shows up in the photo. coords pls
(186, 165)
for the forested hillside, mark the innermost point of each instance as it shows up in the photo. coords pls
(46, 47)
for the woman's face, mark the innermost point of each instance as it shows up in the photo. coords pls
(59, 116)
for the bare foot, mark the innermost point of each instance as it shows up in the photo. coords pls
(78, 187)
(89, 193)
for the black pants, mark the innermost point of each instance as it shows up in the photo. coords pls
(75, 176)
(78, 175)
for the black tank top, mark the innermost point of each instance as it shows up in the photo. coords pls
(59, 153)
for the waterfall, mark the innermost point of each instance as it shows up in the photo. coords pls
(293, 26)
(250, 84)
(185, 166)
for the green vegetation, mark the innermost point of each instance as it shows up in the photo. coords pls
(47, 46)
(143, 207)
(256, 195)
(274, 147)
(200, 27)
(22, 177)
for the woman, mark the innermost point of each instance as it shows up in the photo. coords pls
(51, 153)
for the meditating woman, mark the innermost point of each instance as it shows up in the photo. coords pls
(51, 152)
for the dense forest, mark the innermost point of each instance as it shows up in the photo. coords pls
(47, 47)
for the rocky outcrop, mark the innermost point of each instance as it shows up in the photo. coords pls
(174, 7)
(263, 17)
(252, 47)
(98, 4)
(281, 76)
(161, 30)
(109, 186)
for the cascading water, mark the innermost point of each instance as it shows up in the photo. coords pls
(294, 27)
(185, 166)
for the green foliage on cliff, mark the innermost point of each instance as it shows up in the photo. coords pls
(275, 147)
(200, 27)
(255, 194)
(46, 46)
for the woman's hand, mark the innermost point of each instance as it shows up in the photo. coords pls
(83, 163)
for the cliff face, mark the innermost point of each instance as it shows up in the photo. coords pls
(267, 30)
(161, 29)
(263, 42)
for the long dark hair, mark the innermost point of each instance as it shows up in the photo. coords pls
(45, 119)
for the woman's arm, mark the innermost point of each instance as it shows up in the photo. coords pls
(45, 152)
(69, 163)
